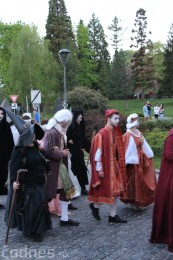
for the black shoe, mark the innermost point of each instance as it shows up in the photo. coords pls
(2, 206)
(116, 219)
(69, 222)
(71, 207)
(84, 192)
(95, 212)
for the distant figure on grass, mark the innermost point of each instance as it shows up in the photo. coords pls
(36, 116)
(156, 111)
(141, 177)
(161, 112)
(108, 178)
(145, 111)
(162, 228)
(149, 107)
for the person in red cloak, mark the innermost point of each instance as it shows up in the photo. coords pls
(162, 228)
(108, 178)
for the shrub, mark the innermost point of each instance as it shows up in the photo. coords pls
(87, 99)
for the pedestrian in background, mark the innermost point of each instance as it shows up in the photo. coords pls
(156, 111)
(78, 144)
(140, 171)
(161, 112)
(36, 116)
(145, 111)
(149, 107)
(108, 172)
(162, 228)
(6, 147)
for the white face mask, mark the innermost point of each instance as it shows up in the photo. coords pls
(115, 119)
(79, 118)
(1, 115)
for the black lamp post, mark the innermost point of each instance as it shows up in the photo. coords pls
(64, 56)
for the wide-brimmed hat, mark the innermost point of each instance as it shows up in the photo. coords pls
(26, 130)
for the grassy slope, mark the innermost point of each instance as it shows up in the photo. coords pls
(136, 106)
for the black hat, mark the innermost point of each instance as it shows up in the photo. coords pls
(26, 130)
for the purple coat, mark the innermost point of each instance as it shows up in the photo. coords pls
(51, 139)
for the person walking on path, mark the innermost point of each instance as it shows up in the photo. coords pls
(55, 147)
(78, 144)
(30, 212)
(6, 147)
(108, 178)
(162, 228)
(141, 176)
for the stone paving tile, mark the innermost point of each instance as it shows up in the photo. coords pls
(90, 240)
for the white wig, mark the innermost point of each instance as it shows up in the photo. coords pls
(130, 122)
(63, 115)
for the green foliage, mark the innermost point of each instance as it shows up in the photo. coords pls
(167, 82)
(87, 99)
(156, 140)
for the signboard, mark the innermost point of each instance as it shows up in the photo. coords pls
(14, 106)
(35, 96)
(14, 98)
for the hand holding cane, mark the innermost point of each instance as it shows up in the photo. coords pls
(12, 204)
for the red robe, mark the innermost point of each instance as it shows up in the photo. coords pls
(141, 178)
(104, 190)
(162, 224)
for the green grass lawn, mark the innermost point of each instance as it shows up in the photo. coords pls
(136, 106)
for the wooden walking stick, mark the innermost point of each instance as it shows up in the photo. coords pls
(12, 204)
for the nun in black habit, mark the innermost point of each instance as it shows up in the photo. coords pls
(78, 144)
(30, 212)
(6, 147)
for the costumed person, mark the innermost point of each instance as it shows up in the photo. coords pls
(78, 144)
(55, 146)
(6, 147)
(108, 172)
(162, 228)
(30, 212)
(141, 176)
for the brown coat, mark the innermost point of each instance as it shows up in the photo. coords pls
(51, 145)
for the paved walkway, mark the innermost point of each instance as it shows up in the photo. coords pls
(90, 240)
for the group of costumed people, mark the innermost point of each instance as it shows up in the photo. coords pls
(122, 167)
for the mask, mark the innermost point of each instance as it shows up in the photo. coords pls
(115, 120)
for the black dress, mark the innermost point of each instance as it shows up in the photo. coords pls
(76, 133)
(6, 147)
(30, 212)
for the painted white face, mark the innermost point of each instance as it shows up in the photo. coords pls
(114, 120)
(79, 118)
(1, 115)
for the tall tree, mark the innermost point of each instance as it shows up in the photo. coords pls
(117, 33)
(120, 83)
(99, 53)
(8, 33)
(59, 34)
(86, 75)
(142, 62)
(167, 82)
(58, 27)
(31, 66)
